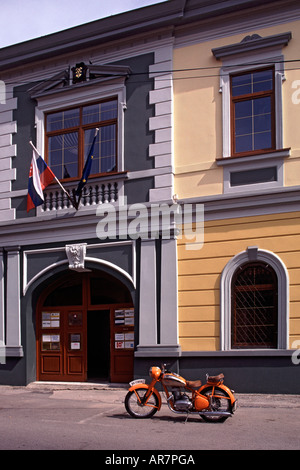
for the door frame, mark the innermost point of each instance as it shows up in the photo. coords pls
(86, 306)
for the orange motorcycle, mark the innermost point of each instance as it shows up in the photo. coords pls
(214, 402)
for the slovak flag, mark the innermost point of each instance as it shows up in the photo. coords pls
(40, 176)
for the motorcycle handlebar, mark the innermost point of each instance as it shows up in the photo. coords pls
(164, 367)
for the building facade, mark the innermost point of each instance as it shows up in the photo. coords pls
(236, 152)
(195, 106)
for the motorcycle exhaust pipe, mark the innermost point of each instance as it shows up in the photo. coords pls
(215, 413)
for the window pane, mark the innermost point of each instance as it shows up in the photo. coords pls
(109, 110)
(262, 105)
(253, 124)
(243, 126)
(99, 112)
(262, 122)
(104, 160)
(243, 143)
(63, 120)
(252, 82)
(262, 140)
(91, 114)
(263, 81)
(243, 108)
(63, 155)
(108, 148)
(241, 85)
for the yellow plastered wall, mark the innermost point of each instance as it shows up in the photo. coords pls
(198, 113)
(199, 273)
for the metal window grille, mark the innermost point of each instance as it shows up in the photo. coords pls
(254, 307)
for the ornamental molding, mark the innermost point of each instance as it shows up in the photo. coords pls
(76, 256)
(80, 75)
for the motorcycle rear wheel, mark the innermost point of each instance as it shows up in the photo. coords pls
(135, 407)
(220, 401)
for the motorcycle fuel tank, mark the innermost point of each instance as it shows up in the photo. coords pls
(173, 380)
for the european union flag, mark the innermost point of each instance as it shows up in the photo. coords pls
(87, 167)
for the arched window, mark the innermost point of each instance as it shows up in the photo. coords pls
(254, 302)
(254, 306)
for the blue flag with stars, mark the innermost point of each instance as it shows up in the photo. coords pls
(87, 167)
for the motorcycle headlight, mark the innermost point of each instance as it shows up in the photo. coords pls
(154, 372)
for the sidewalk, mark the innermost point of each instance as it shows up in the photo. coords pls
(249, 400)
(77, 386)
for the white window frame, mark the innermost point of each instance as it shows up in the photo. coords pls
(253, 254)
(253, 53)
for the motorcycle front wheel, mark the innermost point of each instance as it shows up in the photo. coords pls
(134, 404)
(220, 401)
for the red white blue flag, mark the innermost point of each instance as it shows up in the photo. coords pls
(40, 176)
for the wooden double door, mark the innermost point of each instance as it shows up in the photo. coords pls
(84, 342)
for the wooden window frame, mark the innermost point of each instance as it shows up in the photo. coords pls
(81, 129)
(251, 96)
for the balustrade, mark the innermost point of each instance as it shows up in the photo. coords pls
(94, 193)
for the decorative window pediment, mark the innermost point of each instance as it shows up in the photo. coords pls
(79, 75)
(252, 43)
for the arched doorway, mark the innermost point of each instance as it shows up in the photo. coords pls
(85, 329)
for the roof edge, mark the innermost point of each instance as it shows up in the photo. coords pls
(169, 13)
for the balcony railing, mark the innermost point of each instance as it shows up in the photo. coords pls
(98, 191)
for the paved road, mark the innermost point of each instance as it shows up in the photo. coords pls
(45, 418)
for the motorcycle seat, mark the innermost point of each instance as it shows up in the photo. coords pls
(194, 384)
(215, 378)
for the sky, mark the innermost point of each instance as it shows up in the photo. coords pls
(21, 20)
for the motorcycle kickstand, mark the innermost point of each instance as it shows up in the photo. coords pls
(187, 416)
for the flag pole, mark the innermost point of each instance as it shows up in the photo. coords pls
(56, 179)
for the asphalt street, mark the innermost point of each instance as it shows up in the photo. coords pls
(93, 417)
